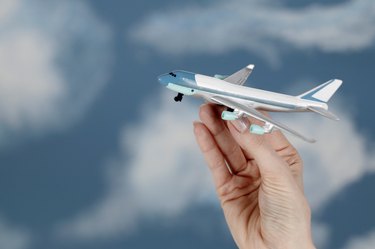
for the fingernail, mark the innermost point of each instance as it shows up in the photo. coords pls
(241, 124)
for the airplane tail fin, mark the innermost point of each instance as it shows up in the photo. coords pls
(323, 92)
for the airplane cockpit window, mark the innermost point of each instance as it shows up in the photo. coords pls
(172, 74)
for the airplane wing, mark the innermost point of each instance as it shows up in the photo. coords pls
(256, 114)
(323, 112)
(240, 77)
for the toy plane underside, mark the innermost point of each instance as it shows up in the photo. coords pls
(246, 101)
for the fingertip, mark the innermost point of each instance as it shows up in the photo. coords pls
(197, 126)
(203, 136)
(203, 105)
(205, 112)
(248, 141)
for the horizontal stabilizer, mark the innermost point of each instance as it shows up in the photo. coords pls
(323, 92)
(323, 112)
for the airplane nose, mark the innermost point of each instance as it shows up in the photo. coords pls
(163, 80)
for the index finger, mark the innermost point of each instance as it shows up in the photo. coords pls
(276, 139)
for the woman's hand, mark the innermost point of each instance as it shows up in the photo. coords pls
(258, 180)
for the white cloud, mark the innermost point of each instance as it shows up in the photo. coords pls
(340, 156)
(32, 95)
(7, 7)
(13, 238)
(161, 173)
(320, 234)
(54, 59)
(363, 242)
(262, 27)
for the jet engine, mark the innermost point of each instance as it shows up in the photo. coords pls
(260, 130)
(256, 129)
(226, 115)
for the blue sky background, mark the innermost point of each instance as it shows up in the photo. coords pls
(94, 153)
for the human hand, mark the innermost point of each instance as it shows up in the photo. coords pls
(261, 192)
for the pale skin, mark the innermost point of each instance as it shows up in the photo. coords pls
(259, 183)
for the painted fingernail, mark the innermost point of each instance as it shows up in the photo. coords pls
(241, 124)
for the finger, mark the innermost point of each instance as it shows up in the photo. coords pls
(270, 165)
(276, 138)
(210, 116)
(251, 121)
(293, 160)
(284, 149)
(212, 154)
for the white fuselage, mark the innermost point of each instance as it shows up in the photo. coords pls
(246, 101)
(208, 87)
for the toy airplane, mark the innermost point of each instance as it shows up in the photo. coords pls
(241, 100)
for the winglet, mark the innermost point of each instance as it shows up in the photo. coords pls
(251, 66)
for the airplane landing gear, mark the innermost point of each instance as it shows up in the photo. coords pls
(178, 98)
